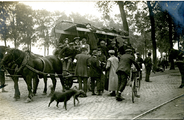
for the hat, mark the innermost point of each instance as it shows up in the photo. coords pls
(75, 38)
(111, 51)
(94, 52)
(128, 50)
(137, 53)
(102, 41)
(71, 43)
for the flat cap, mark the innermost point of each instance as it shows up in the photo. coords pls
(71, 43)
(102, 41)
(94, 52)
(128, 50)
(111, 51)
(75, 38)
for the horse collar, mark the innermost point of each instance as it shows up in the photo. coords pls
(24, 62)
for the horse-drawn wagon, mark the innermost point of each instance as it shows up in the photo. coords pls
(93, 35)
(29, 66)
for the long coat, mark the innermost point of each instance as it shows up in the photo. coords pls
(81, 69)
(112, 62)
(125, 63)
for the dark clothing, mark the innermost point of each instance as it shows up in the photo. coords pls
(104, 50)
(125, 63)
(122, 49)
(94, 67)
(68, 52)
(181, 69)
(102, 60)
(122, 80)
(123, 70)
(148, 66)
(81, 68)
(85, 81)
(140, 61)
(96, 80)
(95, 73)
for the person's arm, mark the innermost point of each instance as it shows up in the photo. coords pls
(135, 63)
(108, 65)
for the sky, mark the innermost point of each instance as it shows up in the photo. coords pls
(67, 7)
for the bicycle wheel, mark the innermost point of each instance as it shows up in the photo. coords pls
(133, 91)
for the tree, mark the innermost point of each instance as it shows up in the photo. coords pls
(4, 20)
(44, 22)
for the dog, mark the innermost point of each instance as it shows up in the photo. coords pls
(65, 96)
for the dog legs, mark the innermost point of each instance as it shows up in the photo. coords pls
(51, 100)
(65, 104)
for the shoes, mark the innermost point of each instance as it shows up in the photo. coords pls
(112, 93)
(93, 94)
(119, 98)
(181, 86)
(2, 86)
(148, 81)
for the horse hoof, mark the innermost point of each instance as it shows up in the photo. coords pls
(28, 100)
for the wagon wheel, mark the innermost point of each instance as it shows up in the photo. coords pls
(68, 82)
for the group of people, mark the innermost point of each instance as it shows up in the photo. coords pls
(107, 67)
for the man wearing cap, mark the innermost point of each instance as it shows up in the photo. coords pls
(112, 65)
(67, 54)
(104, 48)
(81, 70)
(77, 45)
(123, 71)
(95, 72)
(102, 58)
(84, 44)
(140, 61)
(148, 66)
(122, 48)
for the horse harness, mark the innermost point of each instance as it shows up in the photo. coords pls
(25, 61)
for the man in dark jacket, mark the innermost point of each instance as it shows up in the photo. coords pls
(139, 61)
(148, 66)
(95, 72)
(123, 71)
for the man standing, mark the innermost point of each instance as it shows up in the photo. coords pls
(140, 61)
(112, 65)
(123, 71)
(95, 72)
(148, 66)
(81, 70)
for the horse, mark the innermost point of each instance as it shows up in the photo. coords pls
(29, 66)
(11, 69)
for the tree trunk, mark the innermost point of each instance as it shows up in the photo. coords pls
(123, 17)
(170, 41)
(152, 34)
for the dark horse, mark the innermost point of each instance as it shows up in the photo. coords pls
(11, 70)
(29, 66)
(179, 56)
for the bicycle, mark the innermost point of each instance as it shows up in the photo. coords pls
(135, 77)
